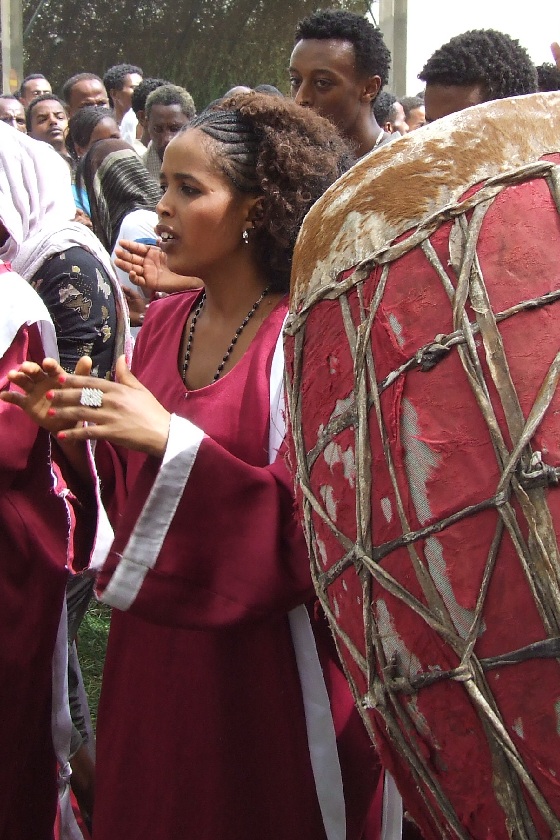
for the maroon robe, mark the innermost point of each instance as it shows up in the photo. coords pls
(202, 731)
(37, 526)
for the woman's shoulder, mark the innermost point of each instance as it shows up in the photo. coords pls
(73, 256)
(73, 269)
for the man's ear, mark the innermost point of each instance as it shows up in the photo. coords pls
(371, 88)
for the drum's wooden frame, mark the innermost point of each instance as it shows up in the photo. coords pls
(524, 477)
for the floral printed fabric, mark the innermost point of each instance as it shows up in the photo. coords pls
(78, 294)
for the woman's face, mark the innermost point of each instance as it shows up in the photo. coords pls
(106, 129)
(201, 216)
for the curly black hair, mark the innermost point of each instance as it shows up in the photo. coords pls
(372, 55)
(141, 93)
(43, 98)
(171, 95)
(410, 103)
(383, 107)
(548, 76)
(114, 77)
(73, 80)
(31, 78)
(486, 57)
(267, 145)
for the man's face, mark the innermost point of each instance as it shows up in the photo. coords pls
(398, 121)
(12, 113)
(416, 118)
(441, 100)
(123, 98)
(85, 93)
(32, 89)
(49, 123)
(323, 77)
(164, 122)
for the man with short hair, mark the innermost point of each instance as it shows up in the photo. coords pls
(84, 90)
(338, 66)
(414, 112)
(389, 113)
(477, 66)
(120, 82)
(47, 121)
(139, 97)
(33, 86)
(168, 109)
(12, 112)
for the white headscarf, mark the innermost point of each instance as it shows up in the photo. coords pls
(37, 209)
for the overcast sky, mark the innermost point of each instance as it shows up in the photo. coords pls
(433, 22)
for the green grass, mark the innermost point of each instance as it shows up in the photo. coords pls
(92, 643)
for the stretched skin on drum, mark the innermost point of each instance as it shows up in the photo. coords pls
(420, 445)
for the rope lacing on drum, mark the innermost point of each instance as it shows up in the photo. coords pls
(524, 474)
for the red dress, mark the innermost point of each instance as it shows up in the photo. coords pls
(202, 730)
(37, 527)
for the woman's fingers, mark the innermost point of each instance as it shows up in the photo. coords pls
(83, 366)
(134, 249)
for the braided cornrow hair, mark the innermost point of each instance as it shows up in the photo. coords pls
(269, 146)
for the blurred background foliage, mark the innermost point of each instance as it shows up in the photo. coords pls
(204, 45)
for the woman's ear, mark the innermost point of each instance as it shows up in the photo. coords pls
(256, 211)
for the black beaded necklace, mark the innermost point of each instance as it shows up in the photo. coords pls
(233, 342)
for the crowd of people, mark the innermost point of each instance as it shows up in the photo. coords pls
(145, 253)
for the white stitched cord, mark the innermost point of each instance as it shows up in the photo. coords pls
(61, 725)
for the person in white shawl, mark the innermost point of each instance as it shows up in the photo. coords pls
(61, 258)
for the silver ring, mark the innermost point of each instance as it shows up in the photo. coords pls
(91, 397)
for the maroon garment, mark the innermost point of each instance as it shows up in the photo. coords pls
(202, 731)
(34, 540)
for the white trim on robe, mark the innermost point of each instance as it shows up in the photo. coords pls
(145, 542)
(391, 828)
(321, 736)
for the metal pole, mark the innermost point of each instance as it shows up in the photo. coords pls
(393, 21)
(11, 20)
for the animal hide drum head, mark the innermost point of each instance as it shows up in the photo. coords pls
(423, 359)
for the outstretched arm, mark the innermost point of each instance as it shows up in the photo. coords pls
(147, 267)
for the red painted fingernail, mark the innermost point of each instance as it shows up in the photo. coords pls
(51, 412)
(49, 395)
(61, 435)
(62, 378)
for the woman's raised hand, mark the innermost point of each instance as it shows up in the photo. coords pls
(143, 263)
(147, 267)
(127, 413)
(37, 384)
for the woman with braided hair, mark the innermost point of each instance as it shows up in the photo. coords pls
(224, 713)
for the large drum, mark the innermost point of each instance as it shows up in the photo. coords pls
(423, 358)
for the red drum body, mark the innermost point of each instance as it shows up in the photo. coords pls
(423, 358)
